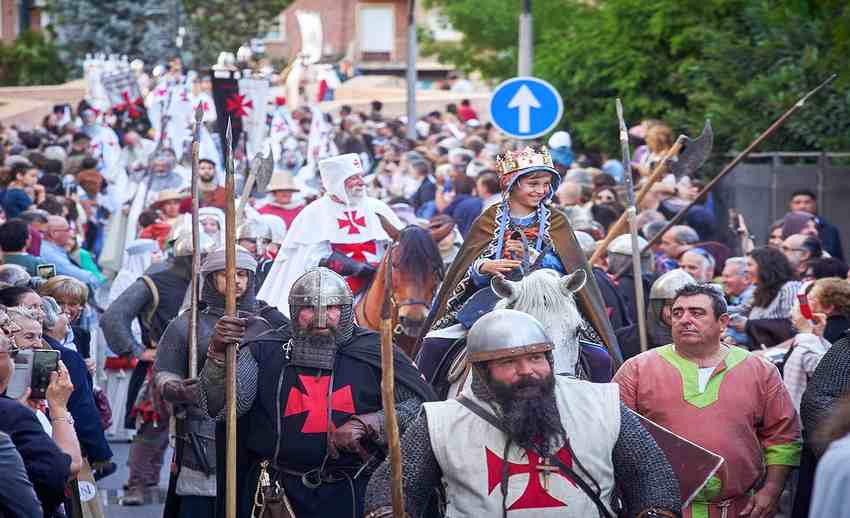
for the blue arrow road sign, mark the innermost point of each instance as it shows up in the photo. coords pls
(525, 107)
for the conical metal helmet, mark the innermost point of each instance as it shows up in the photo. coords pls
(253, 229)
(503, 333)
(666, 286)
(623, 245)
(319, 288)
(179, 239)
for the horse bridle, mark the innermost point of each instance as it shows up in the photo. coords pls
(388, 292)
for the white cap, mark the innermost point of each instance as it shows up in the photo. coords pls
(449, 143)
(336, 170)
(560, 139)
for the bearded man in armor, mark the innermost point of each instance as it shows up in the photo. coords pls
(523, 440)
(192, 490)
(154, 299)
(659, 319)
(341, 230)
(309, 401)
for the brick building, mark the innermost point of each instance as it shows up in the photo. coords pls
(18, 15)
(371, 34)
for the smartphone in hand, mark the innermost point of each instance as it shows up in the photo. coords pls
(45, 361)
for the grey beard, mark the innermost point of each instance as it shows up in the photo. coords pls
(313, 351)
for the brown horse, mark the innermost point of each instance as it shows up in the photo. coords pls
(415, 272)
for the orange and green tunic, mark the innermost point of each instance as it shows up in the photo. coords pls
(744, 414)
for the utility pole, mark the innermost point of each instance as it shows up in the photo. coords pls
(411, 70)
(526, 41)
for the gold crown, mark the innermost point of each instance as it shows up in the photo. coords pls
(528, 157)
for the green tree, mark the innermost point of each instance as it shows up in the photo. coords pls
(740, 63)
(148, 29)
(224, 25)
(144, 29)
(31, 59)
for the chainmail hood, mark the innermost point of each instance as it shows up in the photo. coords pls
(213, 263)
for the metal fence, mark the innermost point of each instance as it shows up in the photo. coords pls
(761, 188)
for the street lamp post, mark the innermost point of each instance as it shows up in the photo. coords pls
(411, 70)
(526, 41)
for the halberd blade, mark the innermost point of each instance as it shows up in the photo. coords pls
(265, 171)
(695, 153)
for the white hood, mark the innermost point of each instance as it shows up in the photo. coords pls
(336, 170)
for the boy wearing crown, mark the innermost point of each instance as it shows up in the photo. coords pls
(518, 235)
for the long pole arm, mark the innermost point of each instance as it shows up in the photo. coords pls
(741, 156)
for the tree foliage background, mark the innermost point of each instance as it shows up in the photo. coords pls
(147, 29)
(740, 63)
(31, 59)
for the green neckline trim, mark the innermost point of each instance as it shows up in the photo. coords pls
(787, 454)
(690, 374)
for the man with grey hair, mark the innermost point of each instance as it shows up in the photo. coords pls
(699, 263)
(738, 288)
(675, 242)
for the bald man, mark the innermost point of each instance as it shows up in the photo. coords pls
(53, 251)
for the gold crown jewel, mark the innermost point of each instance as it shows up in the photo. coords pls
(528, 157)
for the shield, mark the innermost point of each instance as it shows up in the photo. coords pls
(692, 463)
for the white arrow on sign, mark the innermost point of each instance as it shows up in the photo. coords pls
(525, 101)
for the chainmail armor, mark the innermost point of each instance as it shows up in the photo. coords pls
(642, 472)
(830, 381)
(644, 477)
(313, 352)
(420, 472)
(407, 405)
(211, 398)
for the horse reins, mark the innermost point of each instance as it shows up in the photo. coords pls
(388, 295)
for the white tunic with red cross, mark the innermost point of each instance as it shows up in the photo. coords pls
(325, 226)
(470, 452)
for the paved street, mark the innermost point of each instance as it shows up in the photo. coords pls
(111, 490)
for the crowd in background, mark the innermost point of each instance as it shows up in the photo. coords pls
(61, 207)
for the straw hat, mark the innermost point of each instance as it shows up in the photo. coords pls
(282, 181)
(166, 195)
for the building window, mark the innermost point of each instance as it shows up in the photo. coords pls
(376, 29)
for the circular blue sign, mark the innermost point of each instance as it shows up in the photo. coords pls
(525, 107)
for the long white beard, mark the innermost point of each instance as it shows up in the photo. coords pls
(355, 195)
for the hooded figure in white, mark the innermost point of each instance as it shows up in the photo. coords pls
(344, 220)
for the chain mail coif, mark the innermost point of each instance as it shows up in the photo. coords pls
(830, 381)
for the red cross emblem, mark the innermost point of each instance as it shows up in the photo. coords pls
(536, 495)
(314, 401)
(130, 105)
(162, 92)
(280, 127)
(279, 101)
(238, 106)
(352, 222)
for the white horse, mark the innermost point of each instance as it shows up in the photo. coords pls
(548, 297)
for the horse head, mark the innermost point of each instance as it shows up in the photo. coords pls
(416, 271)
(549, 297)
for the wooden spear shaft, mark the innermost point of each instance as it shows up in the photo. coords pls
(196, 248)
(731, 166)
(388, 395)
(622, 224)
(230, 310)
